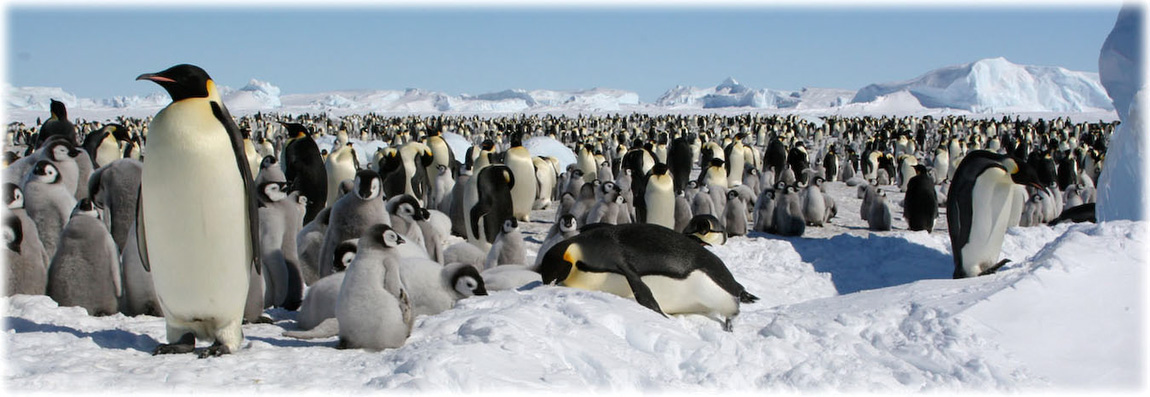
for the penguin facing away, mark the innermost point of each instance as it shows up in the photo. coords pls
(200, 269)
(304, 168)
(27, 271)
(662, 270)
(85, 270)
(921, 208)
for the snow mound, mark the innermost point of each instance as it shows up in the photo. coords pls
(37, 98)
(995, 85)
(549, 147)
(1122, 186)
(257, 95)
(727, 94)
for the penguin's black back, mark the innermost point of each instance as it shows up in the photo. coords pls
(306, 173)
(921, 207)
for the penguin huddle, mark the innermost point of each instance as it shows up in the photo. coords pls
(284, 221)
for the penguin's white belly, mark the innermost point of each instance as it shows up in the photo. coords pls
(523, 193)
(696, 293)
(108, 151)
(738, 164)
(992, 200)
(660, 201)
(195, 217)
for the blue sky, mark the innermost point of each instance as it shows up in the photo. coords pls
(97, 52)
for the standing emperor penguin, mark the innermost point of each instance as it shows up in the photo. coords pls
(303, 167)
(27, 271)
(735, 214)
(978, 206)
(518, 159)
(547, 177)
(351, 215)
(370, 317)
(921, 203)
(106, 144)
(659, 197)
(814, 203)
(47, 202)
(197, 225)
(341, 164)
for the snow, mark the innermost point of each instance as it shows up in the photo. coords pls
(996, 84)
(1122, 185)
(842, 309)
(988, 87)
(549, 147)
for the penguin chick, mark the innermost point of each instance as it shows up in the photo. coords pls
(508, 246)
(85, 271)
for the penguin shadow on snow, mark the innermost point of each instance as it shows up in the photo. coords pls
(107, 339)
(865, 263)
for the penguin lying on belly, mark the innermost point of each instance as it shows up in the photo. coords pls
(661, 269)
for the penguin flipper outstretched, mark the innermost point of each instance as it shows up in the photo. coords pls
(237, 140)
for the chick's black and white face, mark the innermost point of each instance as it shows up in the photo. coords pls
(392, 239)
(46, 172)
(274, 191)
(59, 152)
(15, 198)
(510, 225)
(466, 285)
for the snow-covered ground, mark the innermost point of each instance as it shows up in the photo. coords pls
(842, 309)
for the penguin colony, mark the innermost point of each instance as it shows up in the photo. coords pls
(95, 211)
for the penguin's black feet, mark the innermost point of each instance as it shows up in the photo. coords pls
(186, 344)
(727, 326)
(215, 350)
(993, 269)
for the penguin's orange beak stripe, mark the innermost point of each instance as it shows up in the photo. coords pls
(155, 77)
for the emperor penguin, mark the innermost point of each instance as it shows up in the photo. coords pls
(764, 217)
(565, 228)
(523, 194)
(340, 165)
(735, 214)
(351, 215)
(547, 177)
(253, 155)
(921, 202)
(813, 202)
(200, 268)
(319, 303)
(434, 288)
(85, 271)
(682, 211)
(56, 125)
(508, 247)
(606, 207)
(789, 219)
(659, 197)
(702, 204)
(666, 272)
(736, 155)
(442, 188)
(405, 215)
(26, 258)
(441, 153)
(48, 202)
(115, 187)
(706, 229)
(279, 219)
(304, 168)
(106, 144)
(879, 216)
(309, 241)
(585, 162)
(978, 203)
(714, 174)
(492, 206)
(370, 317)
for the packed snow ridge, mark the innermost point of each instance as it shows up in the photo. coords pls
(996, 85)
(986, 86)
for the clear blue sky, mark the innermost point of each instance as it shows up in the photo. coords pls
(97, 52)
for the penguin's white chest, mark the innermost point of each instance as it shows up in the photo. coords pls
(195, 214)
(108, 151)
(992, 202)
(523, 193)
(660, 199)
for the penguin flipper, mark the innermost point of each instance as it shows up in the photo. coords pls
(642, 294)
(237, 141)
(746, 297)
(141, 242)
(993, 269)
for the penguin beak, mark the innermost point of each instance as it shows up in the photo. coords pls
(399, 239)
(154, 77)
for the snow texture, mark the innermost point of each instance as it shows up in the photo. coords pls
(842, 309)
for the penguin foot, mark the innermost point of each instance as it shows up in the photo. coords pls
(186, 344)
(727, 326)
(263, 319)
(993, 269)
(215, 350)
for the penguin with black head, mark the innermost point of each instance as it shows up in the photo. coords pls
(978, 208)
(197, 228)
